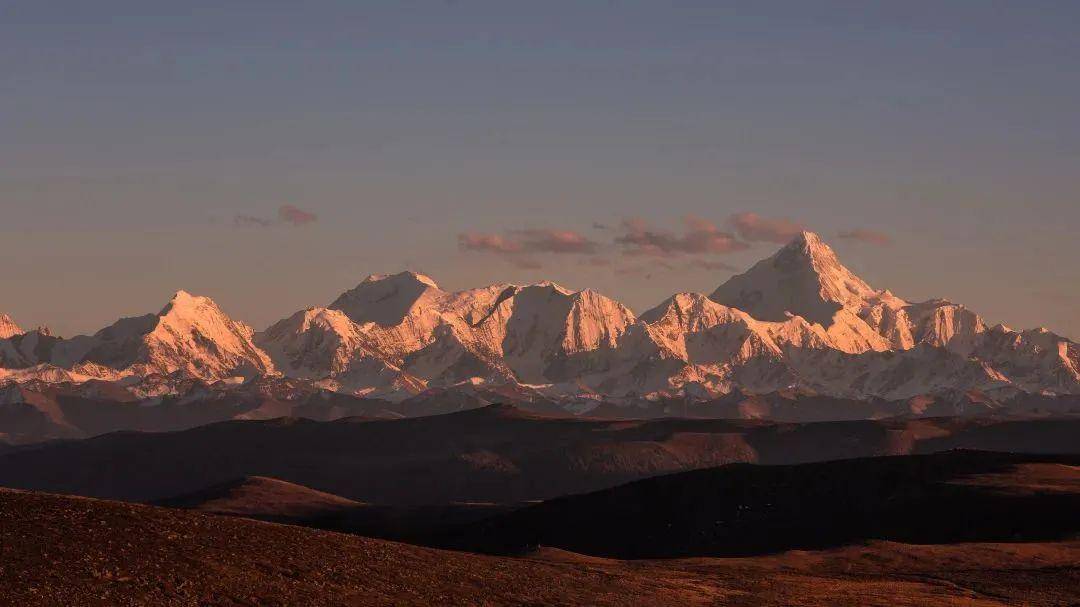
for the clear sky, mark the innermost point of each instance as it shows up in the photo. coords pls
(271, 154)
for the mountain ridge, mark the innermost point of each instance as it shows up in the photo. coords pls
(797, 319)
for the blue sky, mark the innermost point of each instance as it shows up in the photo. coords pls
(135, 134)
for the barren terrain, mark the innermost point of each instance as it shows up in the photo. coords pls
(57, 550)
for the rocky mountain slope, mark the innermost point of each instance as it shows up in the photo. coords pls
(797, 320)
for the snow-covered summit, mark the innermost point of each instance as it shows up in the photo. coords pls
(189, 335)
(8, 328)
(804, 278)
(386, 299)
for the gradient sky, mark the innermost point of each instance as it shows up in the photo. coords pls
(148, 146)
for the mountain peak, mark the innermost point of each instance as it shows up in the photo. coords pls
(8, 328)
(806, 239)
(402, 277)
(811, 246)
(804, 278)
(553, 286)
(191, 335)
(386, 299)
(182, 301)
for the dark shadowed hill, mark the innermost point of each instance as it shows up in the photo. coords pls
(58, 550)
(959, 496)
(274, 500)
(262, 497)
(493, 454)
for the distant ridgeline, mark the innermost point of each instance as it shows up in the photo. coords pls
(797, 322)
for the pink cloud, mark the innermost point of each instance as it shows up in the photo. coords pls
(487, 243)
(295, 216)
(700, 236)
(250, 221)
(287, 215)
(754, 227)
(516, 245)
(519, 247)
(874, 237)
(555, 241)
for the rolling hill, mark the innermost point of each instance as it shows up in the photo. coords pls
(60, 550)
(743, 509)
(492, 454)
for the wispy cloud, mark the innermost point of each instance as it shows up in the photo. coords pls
(699, 236)
(296, 216)
(287, 214)
(250, 221)
(555, 241)
(520, 247)
(695, 246)
(874, 237)
(756, 228)
(487, 243)
(529, 241)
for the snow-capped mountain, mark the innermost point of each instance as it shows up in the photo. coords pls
(877, 344)
(797, 320)
(8, 328)
(190, 336)
(804, 278)
(502, 333)
(323, 344)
